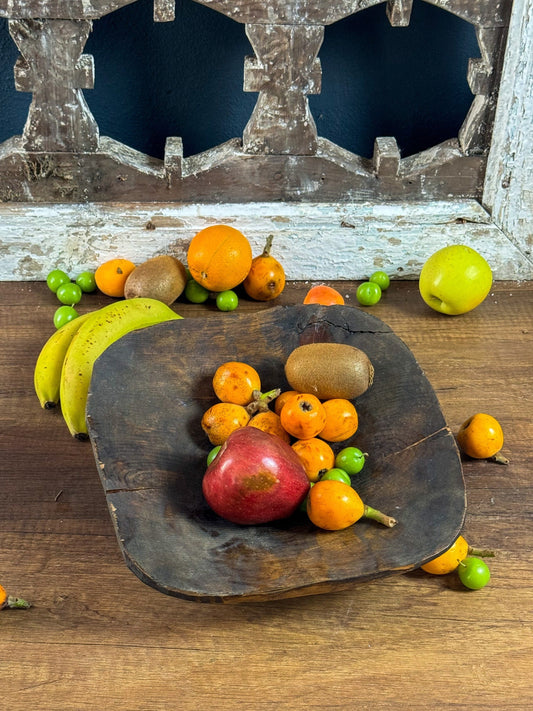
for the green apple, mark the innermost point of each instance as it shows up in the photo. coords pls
(455, 280)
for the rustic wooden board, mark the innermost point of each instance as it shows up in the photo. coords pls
(118, 173)
(147, 396)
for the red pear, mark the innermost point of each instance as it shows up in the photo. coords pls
(255, 478)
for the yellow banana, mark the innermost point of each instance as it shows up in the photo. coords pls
(47, 372)
(105, 326)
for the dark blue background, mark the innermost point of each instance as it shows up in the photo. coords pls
(184, 78)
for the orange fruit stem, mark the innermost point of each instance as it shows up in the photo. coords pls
(380, 517)
(480, 552)
(268, 246)
(15, 603)
(499, 458)
(261, 400)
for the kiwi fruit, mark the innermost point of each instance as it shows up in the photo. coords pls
(329, 370)
(163, 278)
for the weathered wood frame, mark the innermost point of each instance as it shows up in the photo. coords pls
(71, 198)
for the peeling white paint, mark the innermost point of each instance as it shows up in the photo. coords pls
(313, 241)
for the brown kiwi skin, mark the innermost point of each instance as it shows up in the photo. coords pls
(329, 370)
(163, 277)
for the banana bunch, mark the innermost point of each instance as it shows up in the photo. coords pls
(65, 364)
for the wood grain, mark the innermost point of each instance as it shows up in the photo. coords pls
(97, 637)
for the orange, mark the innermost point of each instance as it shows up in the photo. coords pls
(303, 416)
(449, 560)
(219, 257)
(269, 422)
(322, 294)
(342, 420)
(481, 436)
(236, 382)
(333, 505)
(315, 455)
(110, 277)
(222, 419)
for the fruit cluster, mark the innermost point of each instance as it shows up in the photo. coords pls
(69, 293)
(65, 363)
(303, 425)
(473, 572)
(219, 259)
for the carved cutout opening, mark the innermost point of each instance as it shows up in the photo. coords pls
(408, 82)
(280, 153)
(14, 104)
(181, 78)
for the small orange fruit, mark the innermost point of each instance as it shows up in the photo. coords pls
(235, 382)
(342, 420)
(269, 422)
(282, 399)
(110, 277)
(323, 294)
(333, 505)
(303, 416)
(219, 257)
(266, 278)
(222, 419)
(449, 560)
(480, 437)
(315, 455)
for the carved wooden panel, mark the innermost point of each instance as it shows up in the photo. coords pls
(61, 157)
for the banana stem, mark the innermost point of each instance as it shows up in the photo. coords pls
(499, 458)
(382, 518)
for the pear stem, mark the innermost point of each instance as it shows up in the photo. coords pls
(382, 518)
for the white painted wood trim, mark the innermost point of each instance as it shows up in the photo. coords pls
(313, 241)
(508, 190)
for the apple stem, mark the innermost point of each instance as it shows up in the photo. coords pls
(376, 515)
(499, 458)
(480, 552)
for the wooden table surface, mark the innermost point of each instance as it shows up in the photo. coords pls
(96, 637)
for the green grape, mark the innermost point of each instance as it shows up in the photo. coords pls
(381, 279)
(196, 293)
(86, 282)
(63, 315)
(227, 300)
(213, 453)
(351, 459)
(56, 278)
(303, 506)
(474, 573)
(69, 294)
(368, 293)
(336, 474)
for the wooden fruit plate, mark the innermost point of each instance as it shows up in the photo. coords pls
(147, 396)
